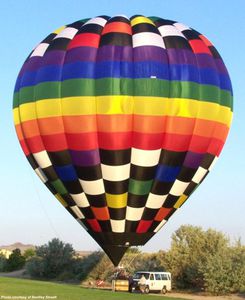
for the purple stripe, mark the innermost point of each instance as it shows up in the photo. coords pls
(150, 53)
(81, 54)
(32, 64)
(193, 160)
(54, 57)
(85, 158)
(115, 53)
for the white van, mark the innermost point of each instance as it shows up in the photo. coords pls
(155, 281)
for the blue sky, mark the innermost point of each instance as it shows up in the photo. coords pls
(29, 213)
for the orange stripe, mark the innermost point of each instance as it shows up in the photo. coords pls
(117, 27)
(101, 213)
(206, 41)
(123, 123)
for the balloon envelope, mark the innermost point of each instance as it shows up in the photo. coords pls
(122, 119)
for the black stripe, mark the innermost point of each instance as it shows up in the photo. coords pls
(207, 161)
(89, 173)
(176, 42)
(32, 161)
(160, 22)
(144, 27)
(131, 226)
(60, 158)
(214, 52)
(161, 188)
(149, 213)
(90, 28)
(68, 199)
(51, 188)
(190, 34)
(50, 173)
(97, 200)
(59, 44)
(73, 187)
(190, 188)
(116, 157)
(142, 173)
(76, 25)
(118, 19)
(170, 201)
(49, 38)
(172, 158)
(153, 226)
(116, 187)
(105, 226)
(116, 38)
(117, 213)
(87, 212)
(186, 174)
(136, 201)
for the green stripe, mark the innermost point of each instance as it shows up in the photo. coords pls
(124, 86)
(59, 187)
(138, 187)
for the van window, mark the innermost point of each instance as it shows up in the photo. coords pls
(139, 275)
(164, 276)
(151, 277)
(158, 276)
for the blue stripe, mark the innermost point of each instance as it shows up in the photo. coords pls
(66, 173)
(167, 173)
(122, 69)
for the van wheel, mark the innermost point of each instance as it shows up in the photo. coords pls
(164, 290)
(146, 290)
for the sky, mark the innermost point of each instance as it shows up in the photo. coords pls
(29, 213)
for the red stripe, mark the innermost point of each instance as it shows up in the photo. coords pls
(206, 41)
(85, 39)
(35, 144)
(24, 147)
(82, 141)
(215, 147)
(143, 226)
(162, 213)
(94, 224)
(115, 141)
(117, 27)
(198, 46)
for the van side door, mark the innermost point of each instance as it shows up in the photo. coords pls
(151, 282)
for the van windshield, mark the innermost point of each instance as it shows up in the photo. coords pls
(140, 274)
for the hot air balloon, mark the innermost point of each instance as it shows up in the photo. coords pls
(122, 119)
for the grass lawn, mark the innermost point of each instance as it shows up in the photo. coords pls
(31, 289)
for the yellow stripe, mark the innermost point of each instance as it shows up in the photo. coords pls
(138, 20)
(180, 201)
(16, 116)
(151, 106)
(58, 30)
(116, 201)
(61, 200)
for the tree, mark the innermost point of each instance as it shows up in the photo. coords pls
(51, 259)
(30, 252)
(15, 261)
(190, 252)
(3, 263)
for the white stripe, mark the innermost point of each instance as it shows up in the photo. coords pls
(68, 33)
(155, 201)
(213, 163)
(80, 199)
(94, 187)
(98, 21)
(200, 173)
(133, 213)
(40, 50)
(41, 175)
(118, 225)
(42, 159)
(77, 212)
(181, 26)
(178, 188)
(160, 225)
(115, 173)
(169, 30)
(145, 158)
(147, 39)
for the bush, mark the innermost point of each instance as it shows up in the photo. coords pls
(15, 261)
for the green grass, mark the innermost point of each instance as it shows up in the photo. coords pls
(23, 287)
